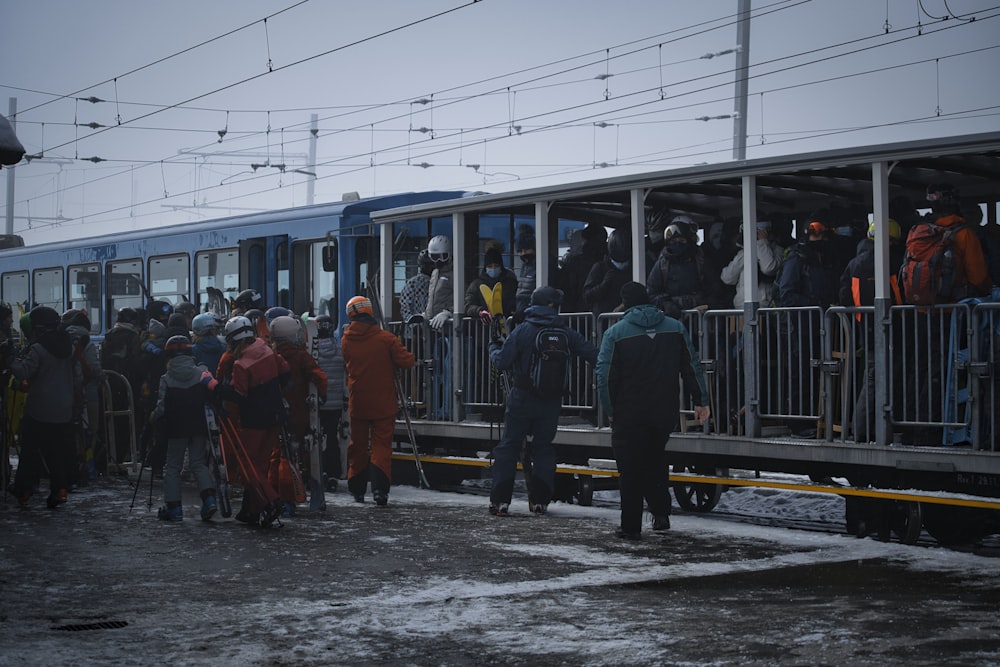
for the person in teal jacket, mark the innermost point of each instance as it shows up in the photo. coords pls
(638, 366)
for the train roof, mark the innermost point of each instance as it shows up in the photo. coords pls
(339, 210)
(784, 183)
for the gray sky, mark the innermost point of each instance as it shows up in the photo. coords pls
(514, 91)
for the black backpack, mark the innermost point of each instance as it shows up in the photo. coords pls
(549, 368)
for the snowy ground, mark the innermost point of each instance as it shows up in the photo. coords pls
(433, 580)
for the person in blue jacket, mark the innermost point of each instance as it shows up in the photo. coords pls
(637, 373)
(526, 412)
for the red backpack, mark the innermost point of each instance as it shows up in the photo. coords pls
(928, 274)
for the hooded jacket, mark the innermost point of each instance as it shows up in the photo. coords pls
(181, 398)
(640, 360)
(256, 382)
(372, 356)
(54, 378)
(508, 292)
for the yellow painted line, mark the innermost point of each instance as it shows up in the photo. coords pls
(883, 494)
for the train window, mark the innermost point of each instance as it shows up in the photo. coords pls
(84, 287)
(14, 290)
(219, 269)
(315, 289)
(569, 238)
(48, 288)
(284, 295)
(124, 287)
(168, 278)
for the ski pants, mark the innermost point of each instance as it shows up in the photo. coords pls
(332, 463)
(640, 450)
(526, 415)
(378, 434)
(258, 444)
(194, 447)
(47, 448)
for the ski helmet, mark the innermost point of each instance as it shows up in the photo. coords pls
(43, 319)
(160, 310)
(271, 313)
(285, 329)
(359, 305)
(204, 324)
(239, 328)
(128, 316)
(249, 298)
(324, 326)
(75, 317)
(177, 345)
(619, 246)
(439, 250)
(186, 308)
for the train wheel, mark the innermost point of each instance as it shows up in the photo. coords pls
(699, 497)
(906, 521)
(952, 525)
(585, 490)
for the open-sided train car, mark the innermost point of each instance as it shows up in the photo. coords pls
(779, 403)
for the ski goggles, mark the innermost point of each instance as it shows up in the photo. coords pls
(440, 257)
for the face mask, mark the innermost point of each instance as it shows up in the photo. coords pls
(676, 248)
(619, 265)
(528, 259)
(493, 273)
(656, 237)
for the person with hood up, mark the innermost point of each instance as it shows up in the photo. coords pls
(78, 327)
(602, 290)
(180, 405)
(54, 379)
(678, 280)
(527, 413)
(637, 373)
(576, 265)
(371, 356)
(207, 346)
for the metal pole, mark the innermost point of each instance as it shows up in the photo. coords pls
(311, 183)
(9, 226)
(742, 80)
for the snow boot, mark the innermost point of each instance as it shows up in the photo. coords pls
(175, 513)
(381, 498)
(661, 522)
(499, 509)
(208, 508)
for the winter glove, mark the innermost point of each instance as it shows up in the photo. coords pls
(519, 316)
(485, 317)
(152, 349)
(415, 319)
(439, 320)
(209, 381)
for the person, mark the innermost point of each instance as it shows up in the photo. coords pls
(331, 362)
(527, 412)
(637, 372)
(248, 299)
(524, 246)
(602, 289)
(577, 264)
(77, 325)
(769, 256)
(493, 273)
(180, 406)
(288, 341)
(207, 346)
(121, 353)
(657, 222)
(54, 379)
(371, 356)
(188, 310)
(413, 297)
(808, 275)
(256, 373)
(440, 297)
(677, 280)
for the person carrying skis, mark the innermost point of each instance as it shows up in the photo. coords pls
(287, 336)
(371, 356)
(256, 375)
(493, 274)
(180, 406)
(529, 411)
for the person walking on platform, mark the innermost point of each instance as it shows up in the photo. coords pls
(537, 352)
(331, 362)
(371, 356)
(637, 373)
(180, 405)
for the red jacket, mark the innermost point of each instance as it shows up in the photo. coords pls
(372, 356)
(304, 371)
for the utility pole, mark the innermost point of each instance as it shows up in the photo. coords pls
(9, 226)
(311, 166)
(742, 80)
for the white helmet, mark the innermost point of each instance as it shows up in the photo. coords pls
(238, 328)
(439, 249)
(285, 329)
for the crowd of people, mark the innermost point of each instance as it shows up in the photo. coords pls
(260, 366)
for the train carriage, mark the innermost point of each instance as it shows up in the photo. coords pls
(780, 403)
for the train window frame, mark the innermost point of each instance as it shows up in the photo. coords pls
(230, 282)
(314, 287)
(112, 277)
(157, 284)
(283, 274)
(91, 303)
(25, 295)
(55, 280)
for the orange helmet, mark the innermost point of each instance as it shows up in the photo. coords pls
(359, 305)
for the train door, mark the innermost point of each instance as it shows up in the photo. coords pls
(264, 267)
(314, 278)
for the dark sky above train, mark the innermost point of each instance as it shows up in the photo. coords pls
(145, 114)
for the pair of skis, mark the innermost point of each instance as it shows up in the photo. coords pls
(217, 463)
